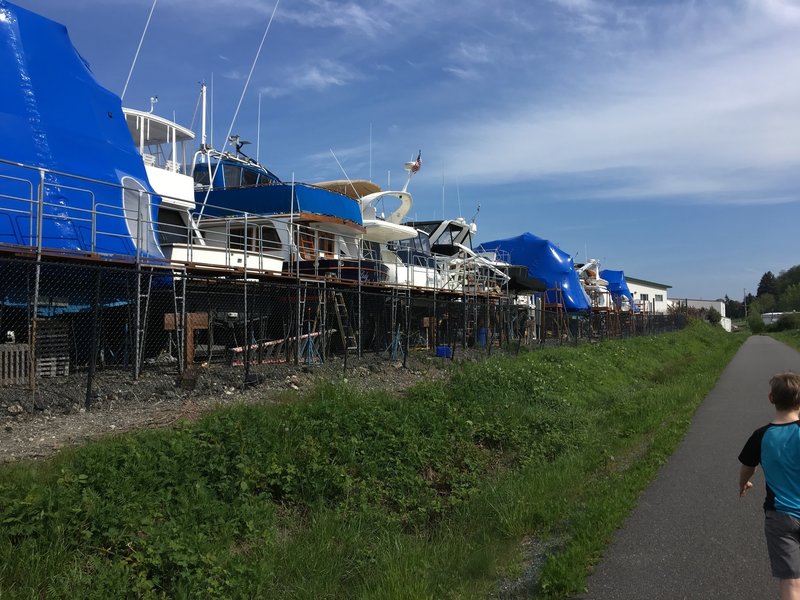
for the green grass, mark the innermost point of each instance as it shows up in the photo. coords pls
(524, 460)
(790, 337)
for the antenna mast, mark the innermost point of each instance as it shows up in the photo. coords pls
(203, 144)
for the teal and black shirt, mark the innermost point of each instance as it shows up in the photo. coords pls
(777, 449)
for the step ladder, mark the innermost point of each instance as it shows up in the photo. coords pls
(144, 286)
(349, 341)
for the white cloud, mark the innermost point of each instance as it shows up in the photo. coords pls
(461, 72)
(349, 16)
(683, 120)
(316, 77)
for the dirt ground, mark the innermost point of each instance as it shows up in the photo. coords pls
(37, 425)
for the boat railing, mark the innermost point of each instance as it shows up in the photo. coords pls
(94, 223)
(33, 196)
(112, 221)
(233, 241)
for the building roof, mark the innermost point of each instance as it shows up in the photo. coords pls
(646, 282)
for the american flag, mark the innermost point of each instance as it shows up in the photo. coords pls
(417, 163)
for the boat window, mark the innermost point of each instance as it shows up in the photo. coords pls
(371, 250)
(249, 177)
(136, 206)
(267, 179)
(326, 245)
(171, 227)
(233, 176)
(428, 228)
(269, 238)
(449, 236)
(236, 241)
(201, 176)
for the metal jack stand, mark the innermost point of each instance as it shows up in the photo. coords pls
(395, 347)
(308, 348)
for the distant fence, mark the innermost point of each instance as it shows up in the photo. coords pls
(99, 324)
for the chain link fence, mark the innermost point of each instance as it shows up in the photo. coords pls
(110, 330)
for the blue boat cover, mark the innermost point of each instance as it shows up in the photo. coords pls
(618, 287)
(282, 198)
(548, 263)
(54, 115)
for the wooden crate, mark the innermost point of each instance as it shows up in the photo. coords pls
(14, 363)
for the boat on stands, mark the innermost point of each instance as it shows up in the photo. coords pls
(402, 249)
(71, 181)
(313, 230)
(594, 285)
(468, 270)
(223, 210)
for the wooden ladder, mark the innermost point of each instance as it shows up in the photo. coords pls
(349, 341)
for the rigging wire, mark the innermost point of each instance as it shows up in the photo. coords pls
(238, 107)
(346, 176)
(250, 74)
(136, 56)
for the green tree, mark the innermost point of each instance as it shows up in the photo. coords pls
(790, 299)
(754, 322)
(764, 303)
(767, 285)
(733, 308)
(787, 279)
(713, 316)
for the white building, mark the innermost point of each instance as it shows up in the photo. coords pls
(649, 296)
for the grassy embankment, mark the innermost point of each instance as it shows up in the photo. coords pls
(790, 337)
(438, 494)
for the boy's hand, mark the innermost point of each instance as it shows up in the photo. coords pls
(745, 473)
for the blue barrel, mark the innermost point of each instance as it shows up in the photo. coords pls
(482, 337)
(443, 351)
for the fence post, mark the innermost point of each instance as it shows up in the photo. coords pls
(95, 335)
(246, 315)
(37, 280)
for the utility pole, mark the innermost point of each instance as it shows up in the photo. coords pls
(745, 302)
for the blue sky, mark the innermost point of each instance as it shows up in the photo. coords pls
(660, 137)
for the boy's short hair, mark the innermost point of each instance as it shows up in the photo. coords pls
(785, 388)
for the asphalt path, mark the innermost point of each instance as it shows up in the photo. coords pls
(691, 537)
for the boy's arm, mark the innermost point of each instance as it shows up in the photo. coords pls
(745, 473)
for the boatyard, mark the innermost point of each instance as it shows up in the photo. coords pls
(340, 299)
(125, 250)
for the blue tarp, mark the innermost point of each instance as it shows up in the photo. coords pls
(548, 263)
(54, 115)
(278, 199)
(618, 287)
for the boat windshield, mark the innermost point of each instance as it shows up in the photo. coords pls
(233, 175)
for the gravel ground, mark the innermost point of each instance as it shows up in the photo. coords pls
(34, 426)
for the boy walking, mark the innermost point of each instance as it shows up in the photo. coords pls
(776, 447)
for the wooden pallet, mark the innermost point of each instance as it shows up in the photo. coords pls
(14, 363)
(55, 366)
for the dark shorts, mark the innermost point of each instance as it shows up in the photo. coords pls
(783, 544)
